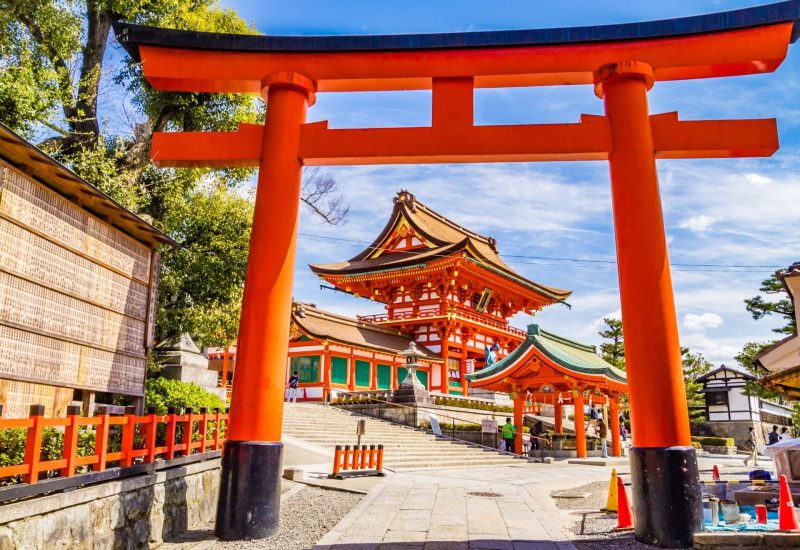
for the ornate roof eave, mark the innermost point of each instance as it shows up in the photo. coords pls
(297, 319)
(519, 360)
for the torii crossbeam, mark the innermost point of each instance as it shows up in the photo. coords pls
(622, 62)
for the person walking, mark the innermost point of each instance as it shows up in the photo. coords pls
(752, 446)
(509, 431)
(294, 382)
(536, 434)
(602, 431)
(784, 434)
(623, 431)
(773, 436)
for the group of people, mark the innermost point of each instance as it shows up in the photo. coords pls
(772, 438)
(538, 432)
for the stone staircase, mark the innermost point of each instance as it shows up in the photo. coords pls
(404, 448)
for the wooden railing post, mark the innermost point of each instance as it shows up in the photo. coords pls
(371, 463)
(128, 436)
(101, 439)
(187, 431)
(203, 428)
(150, 436)
(170, 433)
(379, 467)
(216, 428)
(346, 465)
(33, 444)
(337, 454)
(70, 449)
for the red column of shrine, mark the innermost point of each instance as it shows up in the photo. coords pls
(519, 404)
(613, 408)
(249, 495)
(559, 418)
(580, 424)
(663, 464)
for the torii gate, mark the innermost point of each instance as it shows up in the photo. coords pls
(621, 61)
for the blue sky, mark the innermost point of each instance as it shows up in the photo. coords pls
(728, 212)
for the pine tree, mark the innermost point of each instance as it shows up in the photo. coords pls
(613, 351)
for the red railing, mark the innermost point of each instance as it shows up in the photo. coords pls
(138, 443)
(459, 314)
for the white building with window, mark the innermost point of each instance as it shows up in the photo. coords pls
(729, 411)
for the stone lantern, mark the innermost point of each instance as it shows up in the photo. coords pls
(411, 391)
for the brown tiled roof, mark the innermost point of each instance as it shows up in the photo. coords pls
(26, 157)
(447, 237)
(324, 325)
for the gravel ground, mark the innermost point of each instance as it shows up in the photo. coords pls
(594, 530)
(306, 517)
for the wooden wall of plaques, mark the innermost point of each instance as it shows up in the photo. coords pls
(76, 297)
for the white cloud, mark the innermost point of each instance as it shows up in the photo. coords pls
(694, 322)
(717, 350)
(698, 224)
(757, 179)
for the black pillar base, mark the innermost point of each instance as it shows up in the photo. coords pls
(249, 491)
(667, 501)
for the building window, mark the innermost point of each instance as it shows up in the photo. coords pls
(362, 374)
(454, 369)
(717, 398)
(384, 377)
(338, 370)
(307, 368)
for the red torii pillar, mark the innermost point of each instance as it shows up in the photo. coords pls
(253, 453)
(663, 463)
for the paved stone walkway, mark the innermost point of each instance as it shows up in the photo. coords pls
(443, 510)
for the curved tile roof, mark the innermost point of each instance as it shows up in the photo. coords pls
(577, 358)
(447, 237)
(346, 330)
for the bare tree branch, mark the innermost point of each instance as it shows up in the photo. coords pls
(321, 194)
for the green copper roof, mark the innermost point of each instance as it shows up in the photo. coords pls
(579, 358)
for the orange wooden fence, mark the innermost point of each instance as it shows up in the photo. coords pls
(145, 450)
(358, 458)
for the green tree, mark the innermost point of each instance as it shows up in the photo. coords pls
(56, 74)
(694, 365)
(760, 307)
(613, 350)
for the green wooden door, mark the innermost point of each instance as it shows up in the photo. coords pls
(401, 375)
(338, 370)
(362, 374)
(384, 377)
(307, 368)
(423, 377)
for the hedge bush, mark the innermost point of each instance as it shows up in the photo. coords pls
(714, 441)
(163, 392)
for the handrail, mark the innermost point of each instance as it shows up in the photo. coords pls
(380, 318)
(143, 449)
(437, 412)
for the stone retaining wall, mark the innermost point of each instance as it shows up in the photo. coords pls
(131, 513)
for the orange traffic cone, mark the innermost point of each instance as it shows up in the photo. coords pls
(787, 517)
(624, 515)
(715, 473)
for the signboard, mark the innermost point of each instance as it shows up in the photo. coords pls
(437, 430)
(488, 426)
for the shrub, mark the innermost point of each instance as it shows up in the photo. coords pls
(162, 393)
(714, 441)
(696, 445)
(12, 449)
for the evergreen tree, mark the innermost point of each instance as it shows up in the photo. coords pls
(613, 351)
(694, 366)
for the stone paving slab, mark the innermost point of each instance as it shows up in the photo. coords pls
(483, 508)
